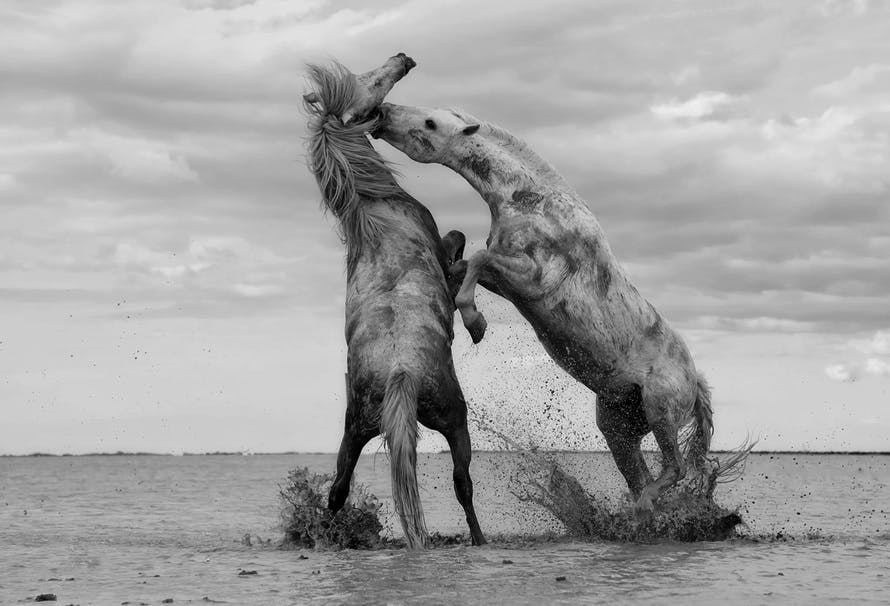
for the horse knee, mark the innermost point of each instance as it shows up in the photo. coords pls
(464, 301)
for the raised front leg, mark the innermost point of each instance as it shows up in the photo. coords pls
(455, 266)
(454, 243)
(503, 272)
(465, 300)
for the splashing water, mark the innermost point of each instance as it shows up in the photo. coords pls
(686, 512)
(682, 514)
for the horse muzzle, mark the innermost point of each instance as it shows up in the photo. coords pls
(407, 61)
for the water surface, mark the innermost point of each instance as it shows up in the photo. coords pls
(141, 529)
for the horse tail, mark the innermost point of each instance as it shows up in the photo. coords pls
(398, 425)
(703, 426)
(711, 470)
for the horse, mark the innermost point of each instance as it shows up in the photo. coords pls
(399, 305)
(548, 255)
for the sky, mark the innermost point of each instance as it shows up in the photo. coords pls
(169, 282)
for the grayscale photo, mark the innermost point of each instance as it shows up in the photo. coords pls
(391, 302)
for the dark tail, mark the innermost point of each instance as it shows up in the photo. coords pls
(398, 425)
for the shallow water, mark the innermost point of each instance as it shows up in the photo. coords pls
(144, 529)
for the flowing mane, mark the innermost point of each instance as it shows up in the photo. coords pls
(346, 166)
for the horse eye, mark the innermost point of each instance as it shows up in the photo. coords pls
(430, 124)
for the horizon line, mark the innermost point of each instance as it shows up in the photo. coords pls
(122, 453)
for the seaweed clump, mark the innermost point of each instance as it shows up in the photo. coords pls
(307, 521)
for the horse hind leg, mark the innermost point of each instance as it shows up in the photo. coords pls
(461, 452)
(448, 416)
(623, 424)
(354, 440)
(350, 449)
(662, 413)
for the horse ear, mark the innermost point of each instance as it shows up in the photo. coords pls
(472, 128)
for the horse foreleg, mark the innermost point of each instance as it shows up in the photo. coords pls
(465, 300)
(453, 242)
(493, 269)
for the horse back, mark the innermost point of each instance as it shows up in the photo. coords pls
(398, 307)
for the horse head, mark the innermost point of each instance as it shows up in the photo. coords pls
(370, 90)
(423, 134)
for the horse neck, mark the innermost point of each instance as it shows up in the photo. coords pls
(496, 161)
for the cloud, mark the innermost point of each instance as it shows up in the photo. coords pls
(876, 353)
(702, 105)
(839, 372)
(844, 8)
(856, 81)
(7, 182)
(879, 343)
(878, 367)
(135, 159)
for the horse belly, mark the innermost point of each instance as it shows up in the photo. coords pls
(568, 341)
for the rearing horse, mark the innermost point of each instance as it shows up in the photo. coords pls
(548, 255)
(399, 309)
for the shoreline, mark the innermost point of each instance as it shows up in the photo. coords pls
(295, 453)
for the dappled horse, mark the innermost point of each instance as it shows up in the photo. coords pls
(548, 255)
(399, 309)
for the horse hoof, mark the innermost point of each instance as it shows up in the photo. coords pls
(458, 270)
(476, 328)
(643, 509)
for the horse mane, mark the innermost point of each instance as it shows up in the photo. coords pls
(346, 166)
